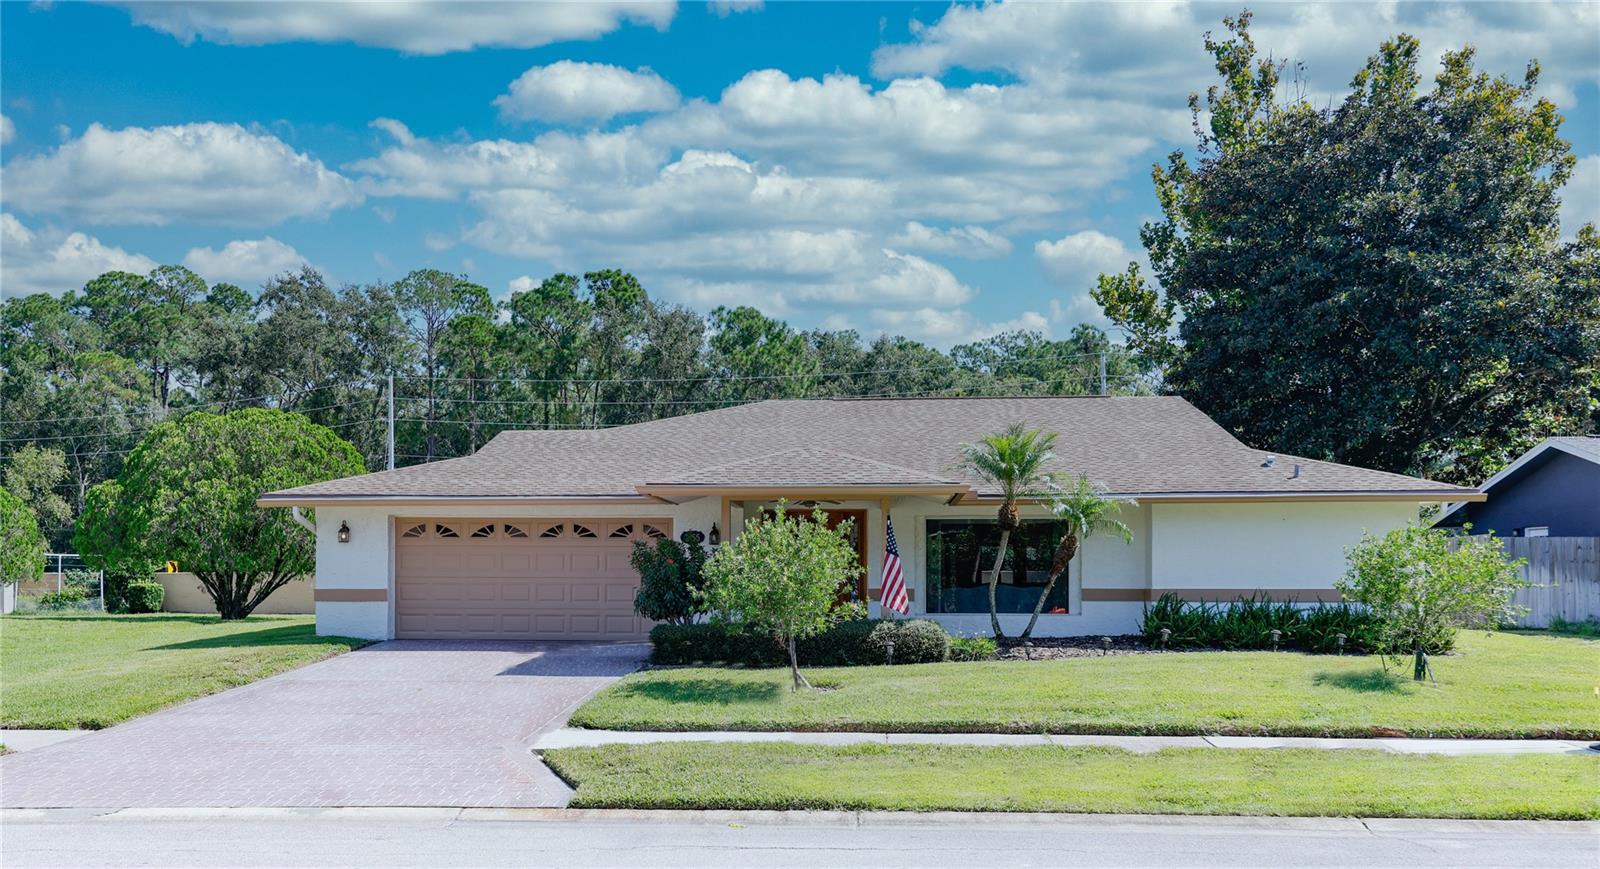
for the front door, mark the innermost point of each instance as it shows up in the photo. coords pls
(858, 538)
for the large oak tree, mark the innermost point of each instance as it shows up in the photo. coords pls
(1383, 281)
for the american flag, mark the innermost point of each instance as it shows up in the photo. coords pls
(894, 579)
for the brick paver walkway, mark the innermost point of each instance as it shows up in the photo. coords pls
(403, 723)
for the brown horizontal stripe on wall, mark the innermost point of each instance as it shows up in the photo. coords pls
(352, 595)
(1145, 595)
(877, 594)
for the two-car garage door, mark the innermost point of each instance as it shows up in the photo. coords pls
(519, 578)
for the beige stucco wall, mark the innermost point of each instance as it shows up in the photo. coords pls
(1276, 546)
(184, 595)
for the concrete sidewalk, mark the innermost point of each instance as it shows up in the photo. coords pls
(573, 737)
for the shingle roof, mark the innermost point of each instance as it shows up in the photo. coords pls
(1144, 445)
(1584, 447)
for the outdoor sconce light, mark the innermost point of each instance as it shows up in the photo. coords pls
(344, 532)
(716, 536)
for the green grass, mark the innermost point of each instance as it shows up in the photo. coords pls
(1198, 781)
(1497, 685)
(93, 670)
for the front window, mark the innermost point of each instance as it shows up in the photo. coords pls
(961, 554)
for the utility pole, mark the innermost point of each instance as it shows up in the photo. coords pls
(391, 421)
(1103, 374)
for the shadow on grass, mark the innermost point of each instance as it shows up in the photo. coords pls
(1365, 681)
(192, 618)
(288, 635)
(722, 692)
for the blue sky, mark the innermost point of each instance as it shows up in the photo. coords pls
(911, 167)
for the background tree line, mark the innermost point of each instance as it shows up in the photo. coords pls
(86, 374)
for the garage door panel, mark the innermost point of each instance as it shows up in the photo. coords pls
(550, 580)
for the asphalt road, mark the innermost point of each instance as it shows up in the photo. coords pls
(444, 837)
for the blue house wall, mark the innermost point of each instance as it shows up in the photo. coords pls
(1557, 490)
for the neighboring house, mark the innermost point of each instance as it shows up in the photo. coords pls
(530, 536)
(185, 594)
(1552, 490)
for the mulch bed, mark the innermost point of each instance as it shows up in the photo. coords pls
(1048, 648)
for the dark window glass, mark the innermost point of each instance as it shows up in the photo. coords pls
(961, 554)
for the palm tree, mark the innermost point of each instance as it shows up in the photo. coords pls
(1087, 511)
(1012, 461)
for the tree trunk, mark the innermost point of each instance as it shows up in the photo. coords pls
(994, 581)
(1064, 553)
(794, 668)
(1419, 662)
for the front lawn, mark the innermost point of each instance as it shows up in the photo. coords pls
(1048, 779)
(94, 670)
(1496, 685)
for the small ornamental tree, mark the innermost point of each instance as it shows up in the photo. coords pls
(21, 544)
(102, 538)
(671, 578)
(1086, 510)
(1422, 586)
(781, 575)
(188, 494)
(1012, 461)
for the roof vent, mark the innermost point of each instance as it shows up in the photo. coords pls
(1296, 474)
(1271, 460)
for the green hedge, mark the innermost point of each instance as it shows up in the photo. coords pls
(143, 596)
(847, 644)
(1248, 623)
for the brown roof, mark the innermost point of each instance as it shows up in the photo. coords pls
(1140, 446)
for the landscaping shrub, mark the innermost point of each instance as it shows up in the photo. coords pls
(973, 649)
(69, 597)
(671, 578)
(858, 642)
(1247, 623)
(143, 596)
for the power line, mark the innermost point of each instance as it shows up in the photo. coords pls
(180, 409)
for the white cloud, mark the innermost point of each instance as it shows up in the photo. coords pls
(244, 262)
(8, 131)
(568, 92)
(1580, 198)
(205, 173)
(944, 327)
(1075, 261)
(724, 8)
(973, 242)
(1142, 49)
(1074, 264)
(415, 27)
(52, 261)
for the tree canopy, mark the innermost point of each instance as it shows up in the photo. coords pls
(1382, 282)
(187, 493)
(21, 545)
(86, 374)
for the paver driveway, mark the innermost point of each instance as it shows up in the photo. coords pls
(402, 723)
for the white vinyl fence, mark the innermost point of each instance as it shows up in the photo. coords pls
(1564, 573)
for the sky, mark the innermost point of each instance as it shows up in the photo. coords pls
(942, 172)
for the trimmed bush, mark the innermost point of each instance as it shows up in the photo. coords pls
(854, 643)
(143, 596)
(973, 649)
(69, 597)
(1248, 623)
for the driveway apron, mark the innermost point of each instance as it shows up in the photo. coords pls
(402, 723)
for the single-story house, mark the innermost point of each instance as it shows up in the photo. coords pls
(530, 536)
(1552, 490)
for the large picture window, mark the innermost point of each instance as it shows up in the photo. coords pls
(961, 554)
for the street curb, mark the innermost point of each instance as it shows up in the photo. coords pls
(448, 815)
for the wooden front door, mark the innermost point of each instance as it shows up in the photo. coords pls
(858, 537)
